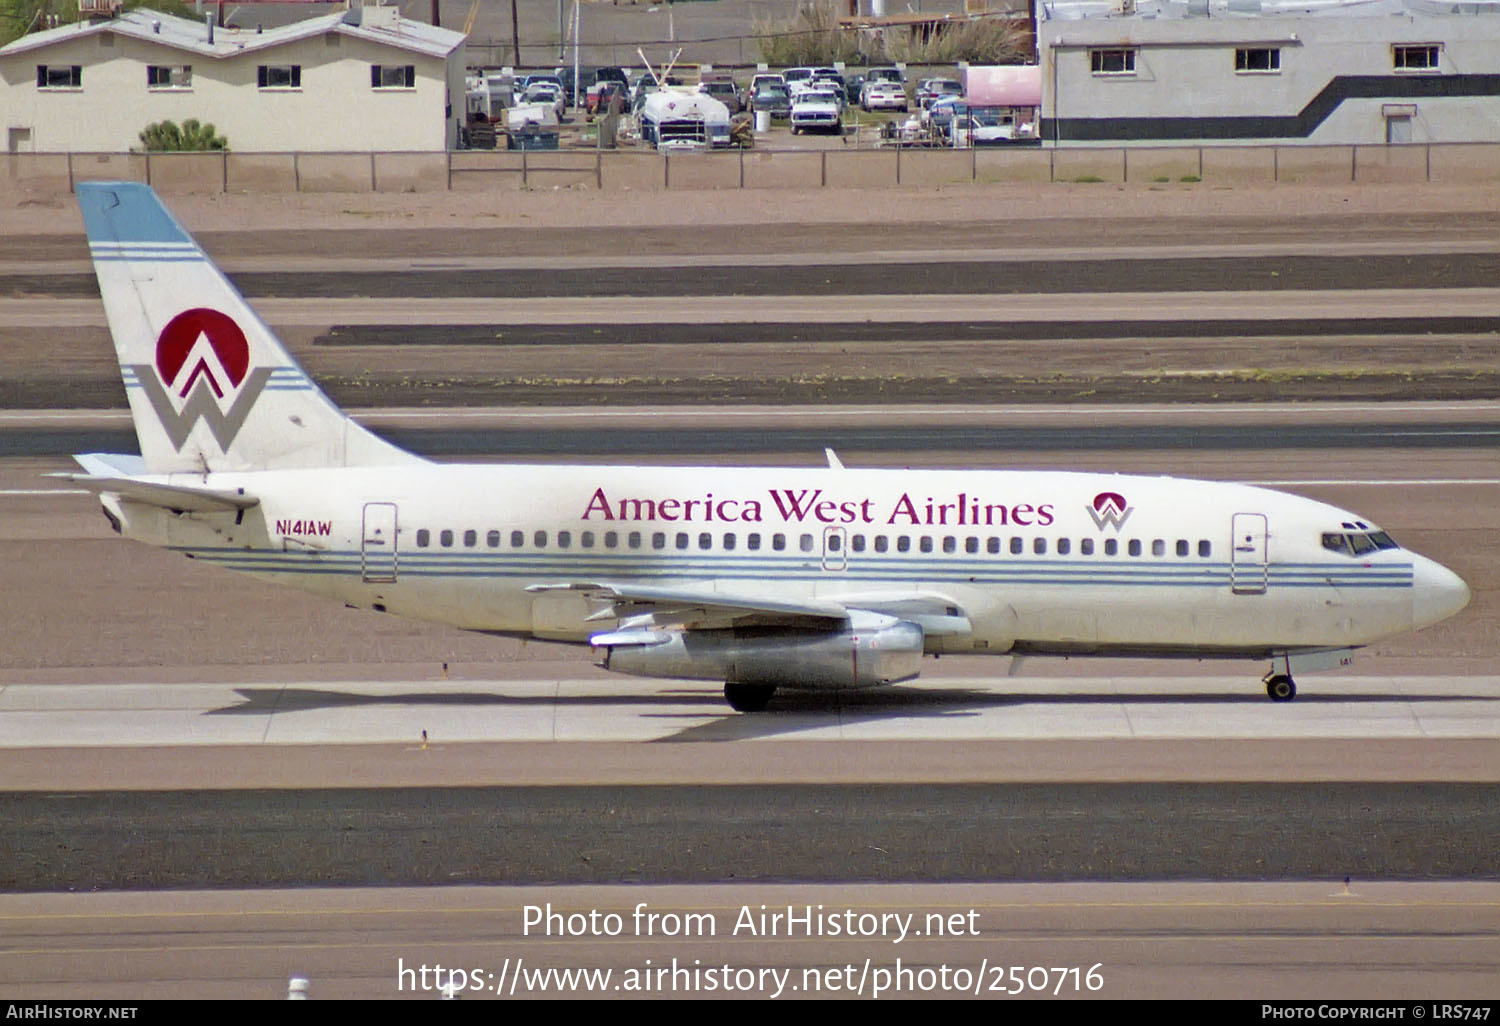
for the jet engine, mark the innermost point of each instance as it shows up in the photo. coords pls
(883, 652)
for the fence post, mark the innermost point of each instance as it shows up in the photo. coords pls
(1353, 163)
(525, 170)
(742, 167)
(373, 186)
(224, 171)
(1275, 164)
(823, 169)
(73, 188)
(666, 171)
(296, 174)
(1124, 164)
(148, 167)
(599, 170)
(450, 170)
(898, 161)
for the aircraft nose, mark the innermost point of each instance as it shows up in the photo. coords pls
(1437, 593)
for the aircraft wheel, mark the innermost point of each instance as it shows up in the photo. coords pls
(748, 697)
(1281, 688)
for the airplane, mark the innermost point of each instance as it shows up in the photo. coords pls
(821, 578)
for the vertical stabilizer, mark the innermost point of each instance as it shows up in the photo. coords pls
(210, 387)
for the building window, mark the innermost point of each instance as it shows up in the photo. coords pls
(59, 76)
(1112, 62)
(1416, 57)
(1257, 58)
(279, 76)
(169, 76)
(393, 76)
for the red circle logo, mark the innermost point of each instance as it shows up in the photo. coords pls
(224, 337)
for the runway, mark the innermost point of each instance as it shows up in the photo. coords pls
(216, 753)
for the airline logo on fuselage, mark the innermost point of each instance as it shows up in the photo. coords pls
(202, 360)
(1109, 509)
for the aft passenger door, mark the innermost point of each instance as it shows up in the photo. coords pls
(1248, 567)
(378, 543)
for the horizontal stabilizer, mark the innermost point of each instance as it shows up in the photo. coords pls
(187, 498)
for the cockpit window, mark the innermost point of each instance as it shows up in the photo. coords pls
(1357, 543)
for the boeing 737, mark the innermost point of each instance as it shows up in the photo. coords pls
(825, 578)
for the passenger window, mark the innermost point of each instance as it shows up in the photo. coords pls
(705, 541)
(1158, 548)
(857, 543)
(471, 539)
(950, 544)
(1017, 545)
(492, 539)
(1205, 548)
(633, 539)
(778, 542)
(992, 546)
(728, 543)
(424, 538)
(971, 545)
(682, 539)
(539, 539)
(1182, 547)
(1135, 546)
(925, 543)
(807, 543)
(1064, 546)
(611, 539)
(1039, 546)
(1111, 547)
(1085, 546)
(517, 539)
(564, 539)
(752, 542)
(903, 543)
(658, 540)
(586, 539)
(880, 543)
(445, 539)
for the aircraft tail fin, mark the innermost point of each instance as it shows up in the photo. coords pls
(209, 384)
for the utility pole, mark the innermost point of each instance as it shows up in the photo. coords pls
(515, 31)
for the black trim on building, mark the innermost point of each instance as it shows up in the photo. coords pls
(1295, 126)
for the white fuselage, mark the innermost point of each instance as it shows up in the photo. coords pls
(1038, 561)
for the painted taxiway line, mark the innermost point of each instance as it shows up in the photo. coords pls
(359, 712)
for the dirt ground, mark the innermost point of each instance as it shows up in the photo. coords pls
(710, 211)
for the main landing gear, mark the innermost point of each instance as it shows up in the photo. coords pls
(748, 697)
(1280, 687)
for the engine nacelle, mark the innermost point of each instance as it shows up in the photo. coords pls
(884, 652)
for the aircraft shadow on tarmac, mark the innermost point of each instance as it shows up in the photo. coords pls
(789, 711)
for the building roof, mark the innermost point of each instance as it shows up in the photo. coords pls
(375, 24)
(1077, 10)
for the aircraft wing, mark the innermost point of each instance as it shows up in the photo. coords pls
(700, 609)
(638, 607)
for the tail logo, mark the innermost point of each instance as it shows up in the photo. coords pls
(202, 361)
(1109, 509)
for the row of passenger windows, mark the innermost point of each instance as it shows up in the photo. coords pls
(730, 541)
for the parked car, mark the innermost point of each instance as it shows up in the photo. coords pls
(756, 82)
(853, 84)
(723, 90)
(773, 97)
(882, 95)
(930, 89)
(886, 74)
(817, 109)
(549, 93)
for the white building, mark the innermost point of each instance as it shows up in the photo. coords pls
(1165, 72)
(361, 80)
